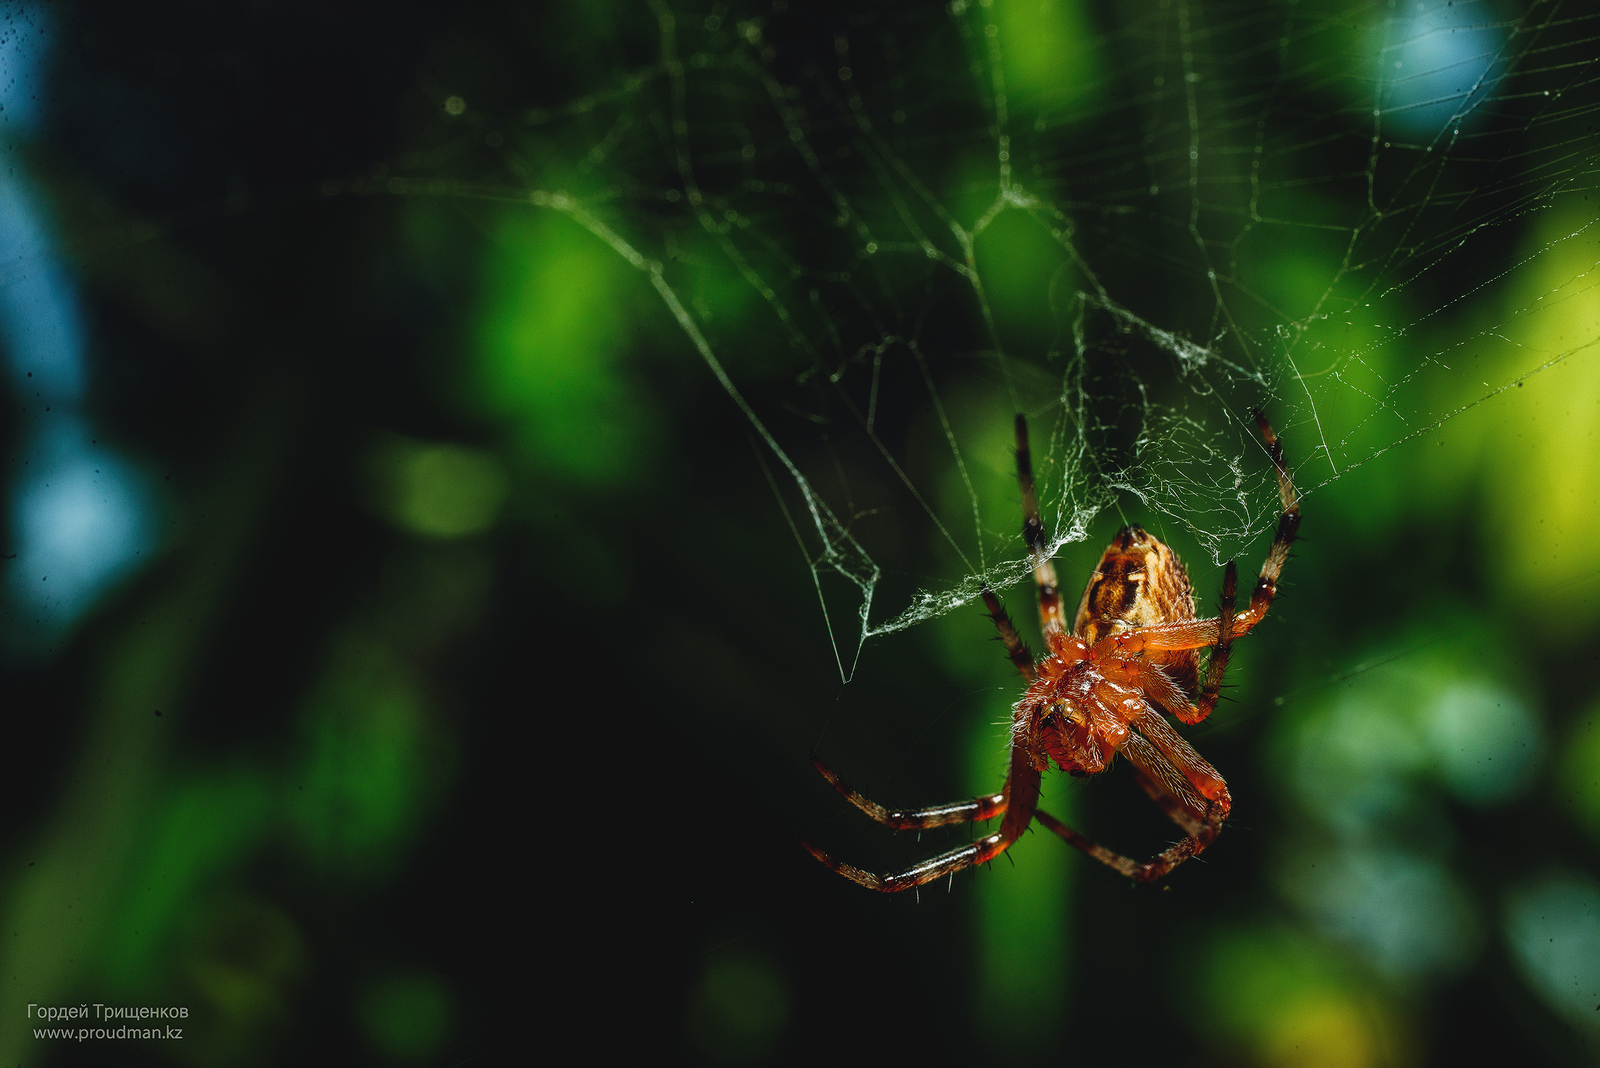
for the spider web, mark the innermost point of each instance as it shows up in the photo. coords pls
(885, 232)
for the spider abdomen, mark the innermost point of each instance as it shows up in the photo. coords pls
(1140, 582)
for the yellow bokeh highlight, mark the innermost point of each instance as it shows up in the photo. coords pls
(1292, 1005)
(1322, 1032)
(1544, 458)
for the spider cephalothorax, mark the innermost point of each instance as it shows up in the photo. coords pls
(1105, 688)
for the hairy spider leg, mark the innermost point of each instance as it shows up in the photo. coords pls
(1018, 652)
(1044, 572)
(1288, 529)
(972, 811)
(1200, 820)
(1217, 664)
(1170, 785)
(1177, 811)
(918, 819)
(978, 808)
(1022, 793)
(1177, 751)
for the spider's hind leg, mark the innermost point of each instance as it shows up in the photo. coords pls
(918, 819)
(1115, 861)
(979, 852)
(1019, 799)
(1201, 820)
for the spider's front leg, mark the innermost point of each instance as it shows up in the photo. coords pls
(1018, 653)
(1018, 801)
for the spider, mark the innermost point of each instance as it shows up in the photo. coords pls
(1133, 652)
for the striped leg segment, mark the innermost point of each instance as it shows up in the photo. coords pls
(920, 819)
(1018, 652)
(1288, 529)
(1044, 572)
(1200, 819)
(1019, 799)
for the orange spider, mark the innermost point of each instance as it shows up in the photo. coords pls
(1132, 653)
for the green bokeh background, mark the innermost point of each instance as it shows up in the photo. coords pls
(464, 701)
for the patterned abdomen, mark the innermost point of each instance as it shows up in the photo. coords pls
(1140, 582)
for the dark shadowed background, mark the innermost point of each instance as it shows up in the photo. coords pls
(462, 459)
